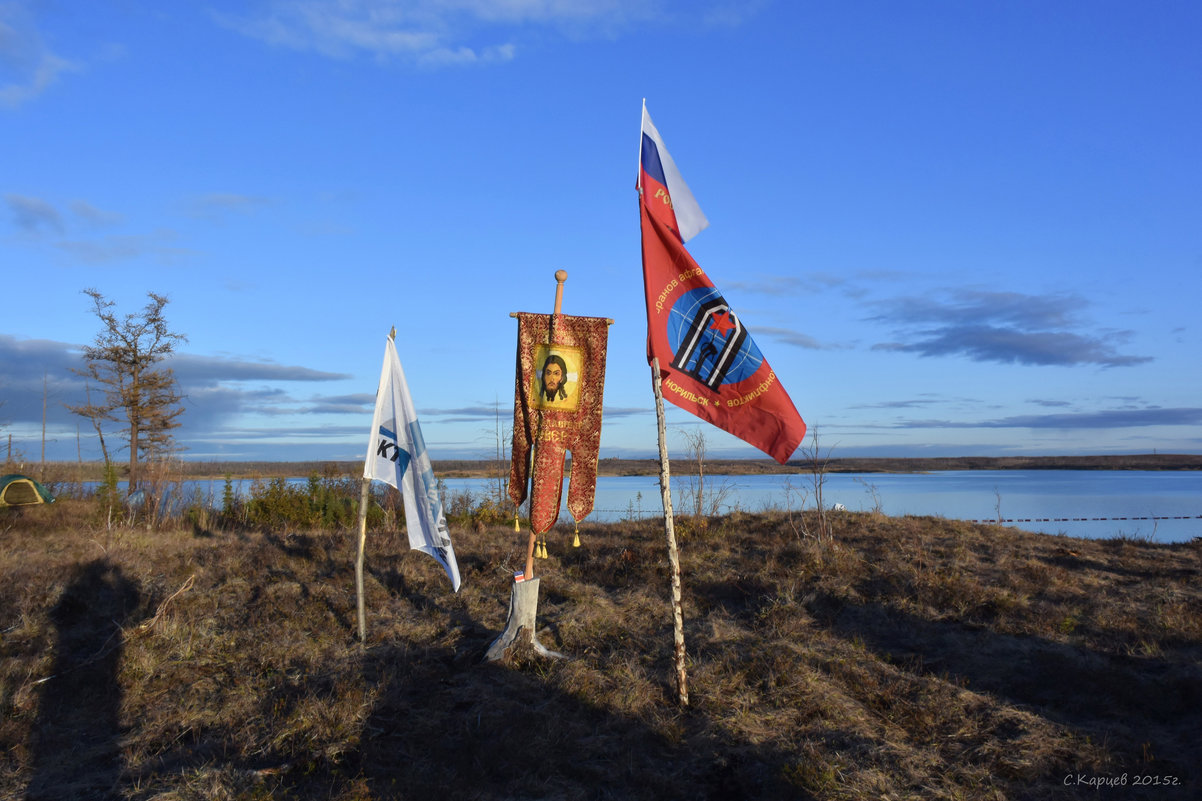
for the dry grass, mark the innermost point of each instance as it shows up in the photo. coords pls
(916, 658)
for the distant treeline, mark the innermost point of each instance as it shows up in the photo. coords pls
(1145, 461)
(735, 467)
(483, 468)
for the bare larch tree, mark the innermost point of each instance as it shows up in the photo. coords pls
(126, 362)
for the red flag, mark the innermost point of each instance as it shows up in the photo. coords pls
(708, 362)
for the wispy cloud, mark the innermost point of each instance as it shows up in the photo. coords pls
(158, 245)
(911, 403)
(462, 414)
(856, 285)
(431, 32)
(359, 403)
(212, 369)
(218, 206)
(1102, 419)
(24, 56)
(615, 412)
(32, 214)
(1052, 404)
(42, 221)
(789, 337)
(1006, 327)
(89, 213)
(968, 306)
(224, 436)
(806, 284)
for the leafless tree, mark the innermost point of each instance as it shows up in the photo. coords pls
(97, 414)
(818, 462)
(707, 498)
(140, 391)
(500, 470)
(8, 459)
(696, 445)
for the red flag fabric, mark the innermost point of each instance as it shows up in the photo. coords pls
(709, 364)
(558, 393)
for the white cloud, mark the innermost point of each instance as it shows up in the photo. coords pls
(428, 32)
(27, 66)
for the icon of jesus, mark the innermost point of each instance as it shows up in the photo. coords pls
(554, 379)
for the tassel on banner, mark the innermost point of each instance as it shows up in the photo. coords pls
(576, 537)
(516, 526)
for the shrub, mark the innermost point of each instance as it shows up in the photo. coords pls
(329, 503)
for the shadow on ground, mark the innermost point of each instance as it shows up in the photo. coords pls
(76, 741)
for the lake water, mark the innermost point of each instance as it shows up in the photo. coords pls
(1163, 506)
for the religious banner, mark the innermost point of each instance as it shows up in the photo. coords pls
(558, 388)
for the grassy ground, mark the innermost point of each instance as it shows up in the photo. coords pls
(913, 658)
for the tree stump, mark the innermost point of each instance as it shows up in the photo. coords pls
(520, 627)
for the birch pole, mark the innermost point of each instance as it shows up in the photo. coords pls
(682, 679)
(364, 496)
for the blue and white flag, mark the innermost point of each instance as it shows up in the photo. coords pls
(396, 455)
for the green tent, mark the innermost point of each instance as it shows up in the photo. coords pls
(18, 490)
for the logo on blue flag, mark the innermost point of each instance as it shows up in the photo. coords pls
(708, 340)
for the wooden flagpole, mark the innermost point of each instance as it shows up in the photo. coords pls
(364, 498)
(521, 624)
(682, 679)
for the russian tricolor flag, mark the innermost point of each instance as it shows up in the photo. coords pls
(665, 194)
(709, 364)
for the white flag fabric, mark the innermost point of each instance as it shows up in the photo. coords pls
(689, 217)
(396, 454)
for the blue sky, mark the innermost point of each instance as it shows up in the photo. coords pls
(952, 227)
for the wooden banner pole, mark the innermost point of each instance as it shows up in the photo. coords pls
(560, 277)
(678, 650)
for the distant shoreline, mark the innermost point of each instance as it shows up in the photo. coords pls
(1154, 461)
(484, 468)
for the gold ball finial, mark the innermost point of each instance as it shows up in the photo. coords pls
(561, 275)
